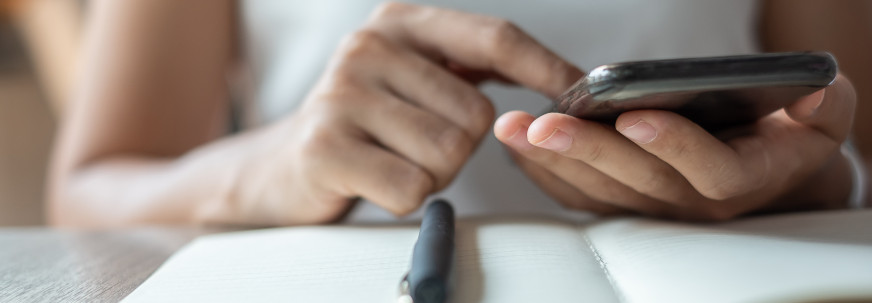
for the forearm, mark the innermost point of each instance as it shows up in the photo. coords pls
(141, 141)
(118, 190)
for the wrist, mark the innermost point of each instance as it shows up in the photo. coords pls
(231, 164)
(217, 196)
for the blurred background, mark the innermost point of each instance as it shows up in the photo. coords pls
(38, 43)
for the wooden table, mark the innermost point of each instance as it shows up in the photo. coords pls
(52, 265)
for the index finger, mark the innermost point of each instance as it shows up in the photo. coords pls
(477, 42)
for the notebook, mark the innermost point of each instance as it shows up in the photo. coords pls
(810, 257)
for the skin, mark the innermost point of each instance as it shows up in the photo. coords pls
(670, 168)
(398, 103)
(52, 31)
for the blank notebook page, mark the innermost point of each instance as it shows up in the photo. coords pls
(496, 261)
(790, 258)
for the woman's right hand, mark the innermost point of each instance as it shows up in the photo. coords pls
(394, 117)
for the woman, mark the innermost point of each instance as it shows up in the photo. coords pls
(397, 115)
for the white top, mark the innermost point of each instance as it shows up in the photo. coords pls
(289, 42)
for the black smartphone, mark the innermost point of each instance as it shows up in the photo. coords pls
(715, 92)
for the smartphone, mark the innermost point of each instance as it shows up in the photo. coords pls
(715, 92)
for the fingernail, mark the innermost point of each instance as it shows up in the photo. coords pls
(557, 141)
(641, 132)
(518, 140)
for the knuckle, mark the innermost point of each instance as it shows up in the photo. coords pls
(340, 94)
(482, 112)
(327, 104)
(593, 153)
(314, 153)
(679, 151)
(436, 75)
(503, 31)
(361, 45)
(560, 75)
(390, 9)
(316, 141)
(337, 86)
(475, 110)
(499, 35)
(416, 185)
(455, 146)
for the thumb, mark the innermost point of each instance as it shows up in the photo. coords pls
(830, 110)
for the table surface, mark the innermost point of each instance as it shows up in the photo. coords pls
(52, 265)
(43, 264)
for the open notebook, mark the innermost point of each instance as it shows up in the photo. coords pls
(813, 257)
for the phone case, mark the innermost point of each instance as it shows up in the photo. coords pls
(714, 92)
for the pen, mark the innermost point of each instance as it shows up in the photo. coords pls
(427, 279)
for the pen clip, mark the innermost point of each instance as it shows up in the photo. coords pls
(404, 296)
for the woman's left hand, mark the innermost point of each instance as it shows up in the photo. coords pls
(660, 164)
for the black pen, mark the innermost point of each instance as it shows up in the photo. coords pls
(427, 280)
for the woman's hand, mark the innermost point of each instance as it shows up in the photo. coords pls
(660, 164)
(395, 115)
